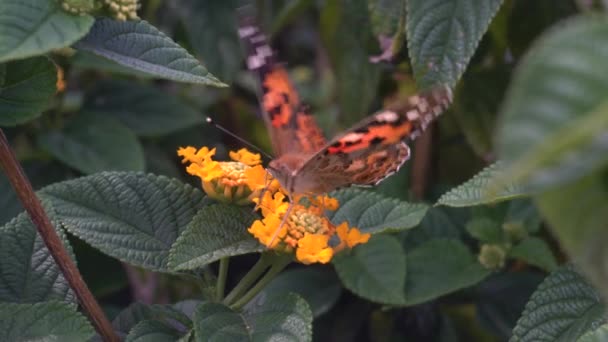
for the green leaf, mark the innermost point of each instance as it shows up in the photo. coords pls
(598, 335)
(373, 213)
(140, 46)
(443, 35)
(8, 201)
(26, 87)
(356, 77)
(438, 223)
(34, 27)
(385, 15)
(146, 110)
(136, 313)
(375, 271)
(481, 189)
(476, 105)
(152, 331)
(46, 321)
(485, 230)
(318, 286)
(216, 231)
(87, 60)
(28, 272)
(217, 322)
(535, 252)
(577, 214)
(211, 28)
(284, 317)
(555, 115)
(93, 143)
(449, 258)
(563, 308)
(131, 216)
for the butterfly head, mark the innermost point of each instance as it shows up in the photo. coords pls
(285, 169)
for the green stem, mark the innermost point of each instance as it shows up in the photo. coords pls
(276, 268)
(221, 278)
(254, 273)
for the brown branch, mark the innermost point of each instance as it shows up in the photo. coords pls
(421, 165)
(32, 205)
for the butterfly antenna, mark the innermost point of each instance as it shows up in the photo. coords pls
(221, 128)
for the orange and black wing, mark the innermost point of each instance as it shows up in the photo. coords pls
(291, 126)
(374, 148)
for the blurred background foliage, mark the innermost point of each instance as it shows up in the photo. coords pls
(112, 118)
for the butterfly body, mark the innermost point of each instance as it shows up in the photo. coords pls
(305, 162)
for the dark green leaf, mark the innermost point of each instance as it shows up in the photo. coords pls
(373, 213)
(88, 60)
(375, 270)
(451, 259)
(35, 27)
(136, 313)
(437, 223)
(215, 232)
(563, 308)
(501, 298)
(217, 322)
(476, 105)
(555, 116)
(283, 317)
(481, 189)
(46, 321)
(93, 143)
(318, 286)
(131, 216)
(279, 317)
(8, 201)
(26, 87)
(485, 230)
(536, 252)
(356, 77)
(577, 214)
(152, 331)
(28, 272)
(146, 110)
(598, 335)
(139, 45)
(443, 35)
(212, 31)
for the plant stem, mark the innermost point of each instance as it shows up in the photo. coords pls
(221, 279)
(277, 266)
(32, 205)
(254, 273)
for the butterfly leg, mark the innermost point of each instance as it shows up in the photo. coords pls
(283, 221)
(267, 181)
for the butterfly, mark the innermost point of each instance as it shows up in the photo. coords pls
(306, 163)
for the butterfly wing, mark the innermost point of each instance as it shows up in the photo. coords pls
(374, 148)
(290, 124)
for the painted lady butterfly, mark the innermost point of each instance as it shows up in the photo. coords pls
(364, 155)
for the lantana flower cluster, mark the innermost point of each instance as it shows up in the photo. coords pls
(306, 232)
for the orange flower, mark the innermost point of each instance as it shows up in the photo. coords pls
(229, 181)
(314, 248)
(306, 231)
(350, 236)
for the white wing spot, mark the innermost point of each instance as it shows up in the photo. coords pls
(387, 116)
(247, 31)
(352, 137)
(412, 115)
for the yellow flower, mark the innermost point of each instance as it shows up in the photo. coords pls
(246, 157)
(265, 230)
(350, 236)
(226, 181)
(306, 231)
(314, 248)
